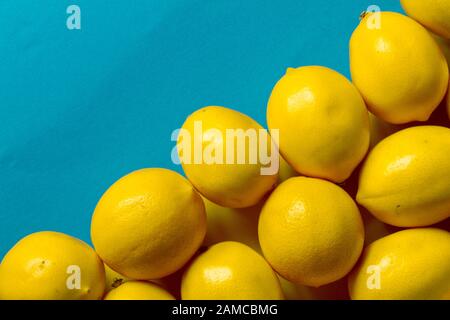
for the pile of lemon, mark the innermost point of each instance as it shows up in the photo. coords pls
(359, 208)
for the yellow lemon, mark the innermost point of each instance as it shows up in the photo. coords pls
(230, 271)
(310, 231)
(398, 67)
(113, 279)
(409, 264)
(51, 266)
(148, 224)
(228, 224)
(222, 154)
(433, 14)
(139, 290)
(405, 180)
(322, 121)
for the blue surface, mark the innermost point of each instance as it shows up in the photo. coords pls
(79, 109)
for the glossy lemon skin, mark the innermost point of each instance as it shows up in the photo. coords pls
(399, 69)
(231, 185)
(37, 268)
(323, 122)
(411, 264)
(405, 180)
(138, 290)
(148, 224)
(433, 14)
(228, 224)
(310, 231)
(230, 271)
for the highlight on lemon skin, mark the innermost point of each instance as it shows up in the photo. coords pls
(138, 290)
(154, 213)
(322, 121)
(399, 68)
(405, 180)
(412, 264)
(236, 164)
(51, 266)
(230, 271)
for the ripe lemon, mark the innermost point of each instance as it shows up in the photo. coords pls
(433, 14)
(139, 290)
(51, 266)
(230, 271)
(310, 231)
(409, 264)
(232, 137)
(148, 224)
(228, 224)
(405, 180)
(113, 279)
(323, 122)
(398, 67)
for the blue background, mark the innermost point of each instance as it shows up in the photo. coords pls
(79, 109)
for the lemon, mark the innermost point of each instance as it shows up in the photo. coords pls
(310, 231)
(230, 271)
(148, 224)
(433, 14)
(405, 180)
(398, 67)
(139, 290)
(228, 224)
(51, 266)
(322, 121)
(229, 168)
(409, 264)
(113, 279)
